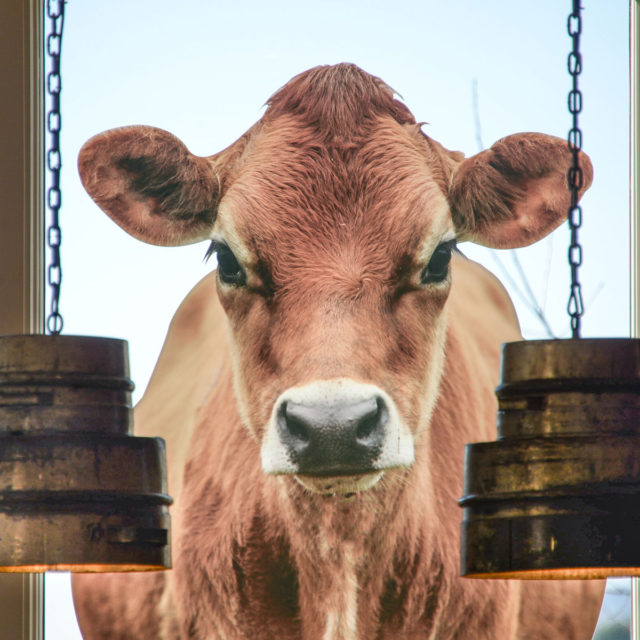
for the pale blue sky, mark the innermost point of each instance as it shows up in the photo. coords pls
(203, 69)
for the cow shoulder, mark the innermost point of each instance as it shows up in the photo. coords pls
(480, 309)
(539, 596)
(118, 606)
(188, 364)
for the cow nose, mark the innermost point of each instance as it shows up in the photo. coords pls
(333, 437)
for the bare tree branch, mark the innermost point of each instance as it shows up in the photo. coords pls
(476, 113)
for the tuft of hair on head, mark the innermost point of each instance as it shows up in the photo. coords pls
(338, 100)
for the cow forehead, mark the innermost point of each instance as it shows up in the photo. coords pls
(378, 193)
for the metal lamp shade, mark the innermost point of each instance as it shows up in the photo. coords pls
(558, 494)
(78, 492)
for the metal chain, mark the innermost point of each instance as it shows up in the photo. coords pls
(575, 307)
(55, 12)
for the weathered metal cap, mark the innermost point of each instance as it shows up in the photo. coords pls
(557, 495)
(77, 491)
(64, 383)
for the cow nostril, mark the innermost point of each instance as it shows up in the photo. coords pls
(372, 422)
(366, 427)
(297, 429)
(294, 428)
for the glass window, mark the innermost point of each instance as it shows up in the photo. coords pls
(203, 69)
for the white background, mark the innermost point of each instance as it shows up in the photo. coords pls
(203, 69)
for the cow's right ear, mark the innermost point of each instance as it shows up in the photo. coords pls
(148, 182)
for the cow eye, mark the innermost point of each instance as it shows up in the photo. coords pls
(229, 269)
(438, 268)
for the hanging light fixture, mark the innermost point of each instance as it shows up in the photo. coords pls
(78, 491)
(558, 494)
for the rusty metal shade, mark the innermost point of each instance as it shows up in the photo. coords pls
(558, 494)
(78, 492)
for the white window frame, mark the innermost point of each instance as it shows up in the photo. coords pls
(634, 201)
(22, 239)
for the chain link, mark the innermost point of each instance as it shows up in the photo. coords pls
(55, 13)
(575, 307)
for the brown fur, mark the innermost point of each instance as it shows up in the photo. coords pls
(333, 202)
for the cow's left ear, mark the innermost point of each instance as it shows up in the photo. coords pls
(516, 192)
(148, 182)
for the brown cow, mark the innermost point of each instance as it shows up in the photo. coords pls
(316, 410)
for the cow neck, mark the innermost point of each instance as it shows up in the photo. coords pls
(362, 553)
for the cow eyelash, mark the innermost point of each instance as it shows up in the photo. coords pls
(438, 268)
(210, 251)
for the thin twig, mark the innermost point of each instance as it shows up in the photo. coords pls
(476, 113)
(533, 302)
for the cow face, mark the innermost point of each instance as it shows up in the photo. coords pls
(334, 272)
(334, 220)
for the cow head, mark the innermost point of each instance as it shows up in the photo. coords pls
(334, 219)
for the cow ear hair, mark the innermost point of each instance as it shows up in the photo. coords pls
(516, 192)
(149, 183)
